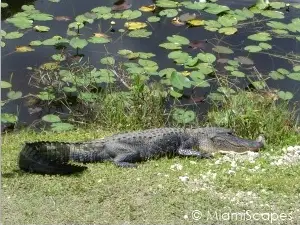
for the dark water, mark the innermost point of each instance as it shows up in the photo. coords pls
(16, 63)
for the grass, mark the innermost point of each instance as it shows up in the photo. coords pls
(165, 191)
(150, 194)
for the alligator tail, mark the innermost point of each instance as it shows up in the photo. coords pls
(48, 158)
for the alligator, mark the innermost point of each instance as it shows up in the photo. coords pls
(127, 149)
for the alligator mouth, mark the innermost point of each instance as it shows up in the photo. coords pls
(229, 143)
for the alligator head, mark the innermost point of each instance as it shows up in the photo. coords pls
(223, 140)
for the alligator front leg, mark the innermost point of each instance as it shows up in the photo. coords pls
(189, 152)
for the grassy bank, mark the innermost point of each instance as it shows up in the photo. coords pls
(163, 191)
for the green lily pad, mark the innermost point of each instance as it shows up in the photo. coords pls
(153, 19)
(20, 22)
(296, 68)
(131, 15)
(294, 76)
(227, 30)
(237, 73)
(275, 75)
(108, 61)
(148, 65)
(58, 57)
(229, 68)
(253, 48)
(166, 4)
(215, 8)
(277, 25)
(277, 5)
(41, 28)
(169, 45)
(183, 116)
(273, 14)
(195, 5)
(261, 36)
(14, 95)
(43, 95)
(265, 46)
(175, 94)
(285, 95)
(51, 118)
(98, 40)
(78, 43)
(168, 12)
(206, 57)
(41, 16)
(140, 33)
(177, 39)
(179, 81)
(227, 20)
(13, 35)
(35, 43)
(222, 49)
(5, 84)
(283, 71)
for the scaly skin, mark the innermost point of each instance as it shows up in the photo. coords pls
(127, 149)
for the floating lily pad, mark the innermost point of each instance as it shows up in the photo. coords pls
(14, 95)
(41, 16)
(168, 12)
(43, 95)
(276, 75)
(177, 39)
(183, 116)
(169, 45)
(98, 40)
(78, 43)
(135, 25)
(142, 33)
(253, 48)
(207, 57)
(227, 30)
(237, 73)
(153, 19)
(59, 57)
(35, 43)
(265, 46)
(244, 60)
(51, 118)
(227, 20)
(5, 84)
(24, 49)
(273, 14)
(261, 36)
(215, 8)
(108, 61)
(283, 71)
(296, 68)
(285, 95)
(222, 49)
(277, 25)
(13, 35)
(20, 22)
(41, 28)
(294, 76)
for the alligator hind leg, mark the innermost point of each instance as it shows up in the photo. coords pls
(127, 159)
(188, 152)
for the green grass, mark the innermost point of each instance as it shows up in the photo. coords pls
(150, 194)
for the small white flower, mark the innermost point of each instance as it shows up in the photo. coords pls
(184, 178)
(176, 166)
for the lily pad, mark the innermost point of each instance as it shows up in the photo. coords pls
(294, 76)
(78, 43)
(108, 61)
(14, 95)
(237, 73)
(285, 95)
(207, 57)
(168, 12)
(253, 48)
(13, 35)
(227, 30)
(265, 46)
(296, 68)
(141, 33)
(153, 19)
(51, 118)
(58, 57)
(5, 84)
(275, 75)
(273, 14)
(98, 40)
(183, 116)
(261, 36)
(177, 39)
(222, 49)
(41, 28)
(244, 60)
(169, 45)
